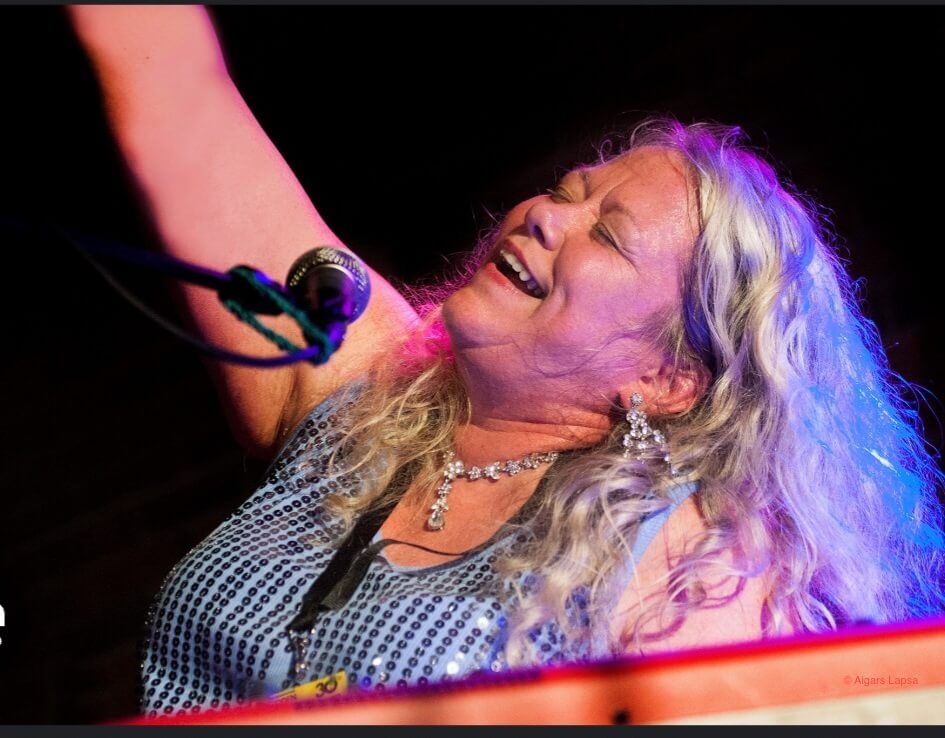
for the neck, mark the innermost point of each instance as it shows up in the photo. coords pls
(508, 423)
(489, 438)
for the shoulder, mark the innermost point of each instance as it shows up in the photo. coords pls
(736, 609)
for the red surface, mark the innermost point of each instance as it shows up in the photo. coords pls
(656, 688)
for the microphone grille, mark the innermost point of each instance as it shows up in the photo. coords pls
(328, 256)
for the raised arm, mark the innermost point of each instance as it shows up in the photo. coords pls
(221, 195)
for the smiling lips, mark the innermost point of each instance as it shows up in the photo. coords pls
(509, 265)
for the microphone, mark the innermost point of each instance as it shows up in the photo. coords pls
(332, 286)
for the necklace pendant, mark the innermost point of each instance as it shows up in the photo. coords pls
(436, 520)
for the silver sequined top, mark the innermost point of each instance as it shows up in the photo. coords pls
(216, 631)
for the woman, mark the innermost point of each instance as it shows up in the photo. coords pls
(648, 417)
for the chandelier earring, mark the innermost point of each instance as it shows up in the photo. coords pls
(641, 441)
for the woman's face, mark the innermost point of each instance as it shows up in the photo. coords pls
(574, 278)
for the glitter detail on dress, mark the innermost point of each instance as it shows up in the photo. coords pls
(216, 632)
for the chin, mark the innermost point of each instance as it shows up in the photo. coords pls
(469, 319)
(456, 312)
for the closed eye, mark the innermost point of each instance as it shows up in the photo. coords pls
(604, 235)
(559, 194)
(600, 232)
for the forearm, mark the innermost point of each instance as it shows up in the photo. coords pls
(206, 169)
(153, 63)
(127, 40)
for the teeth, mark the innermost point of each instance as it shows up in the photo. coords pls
(510, 258)
(523, 274)
(516, 265)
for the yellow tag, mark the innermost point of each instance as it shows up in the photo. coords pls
(325, 687)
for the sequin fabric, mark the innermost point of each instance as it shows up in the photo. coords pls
(216, 632)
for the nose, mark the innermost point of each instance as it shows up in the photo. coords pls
(543, 224)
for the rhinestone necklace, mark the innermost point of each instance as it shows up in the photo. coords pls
(455, 468)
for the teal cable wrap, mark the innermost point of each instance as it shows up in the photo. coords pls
(311, 331)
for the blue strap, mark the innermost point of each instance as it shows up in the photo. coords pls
(655, 521)
(647, 531)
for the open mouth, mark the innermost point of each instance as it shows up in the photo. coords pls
(517, 274)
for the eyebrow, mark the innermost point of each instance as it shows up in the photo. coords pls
(617, 207)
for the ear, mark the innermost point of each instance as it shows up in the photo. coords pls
(668, 390)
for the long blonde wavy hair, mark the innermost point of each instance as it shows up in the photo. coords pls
(810, 460)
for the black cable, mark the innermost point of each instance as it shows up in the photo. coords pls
(314, 353)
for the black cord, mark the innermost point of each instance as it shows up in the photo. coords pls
(45, 233)
(333, 588)
(215, 351)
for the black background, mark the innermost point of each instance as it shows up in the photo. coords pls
(406, 125)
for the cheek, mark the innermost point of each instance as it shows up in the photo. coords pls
(617, 303)
(592, 313)
(607, 293)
